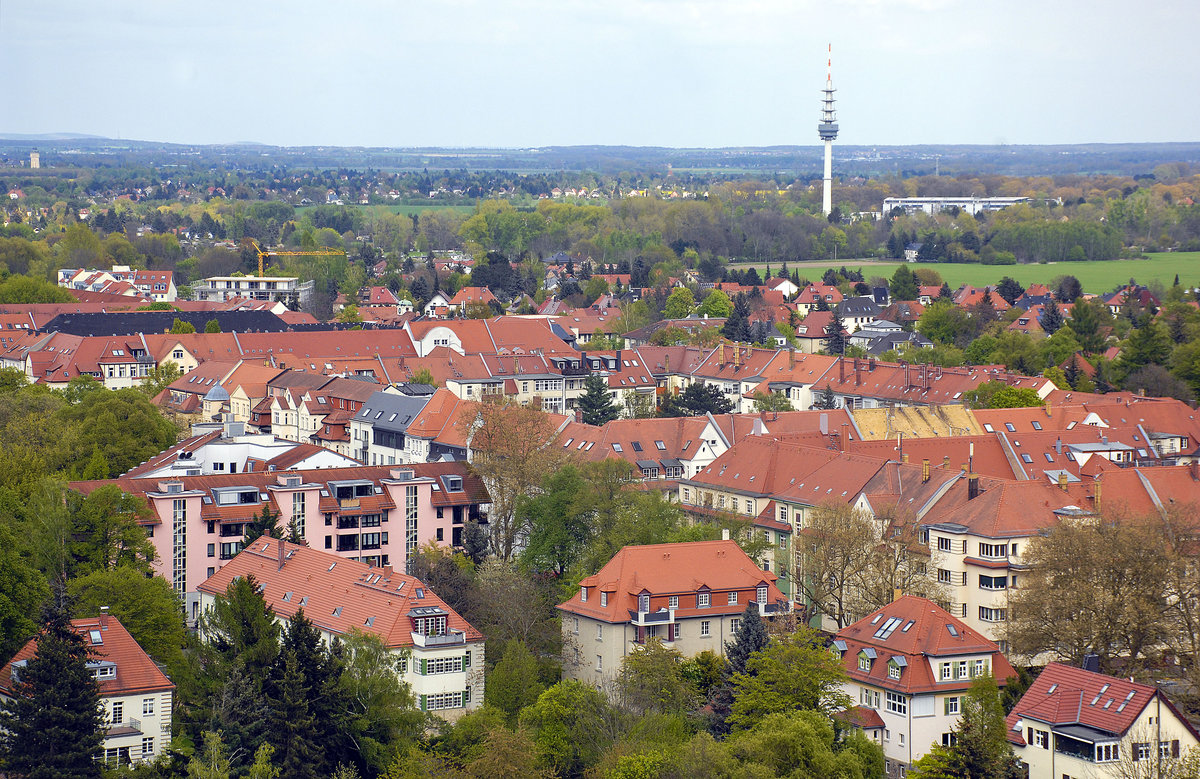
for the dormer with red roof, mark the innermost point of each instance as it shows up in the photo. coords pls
(137, 697)
(910, 662)
(1076, 722)
(690, 596)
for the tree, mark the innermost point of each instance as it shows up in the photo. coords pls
(980, 747)
(180, 327)
(652, 680)
(1067, 289)
(22, 589)
(239, 714)
(162, 376)
(514, 449)
(1052, 318)
(293, 728)
(903, 284)
(212, 326)
(241, 626)
(1090, 321)
(792, 673)
(507, 753)
(750, 637)
(997, 394)
(772, 402)
(680, 303)
(424, 376)
(381, 714)
(835, 337)
(826, 401)
(1009, 289)
(558, 518)
(835, 548)
(570, 725)
(696, 400)
(52, 726)
(716, 305)
(803, 744)
(261, 768)
(265, 523)
(513, 684)
(1094, 587)
(212, 762)
(596, 402)
(148, 607)
(1157, 382)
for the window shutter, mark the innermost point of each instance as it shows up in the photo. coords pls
(1137, 753)
(423, 704)
(467, 660)
(1029, 736)
(946, 706)
(1175, 748)
(421, 669)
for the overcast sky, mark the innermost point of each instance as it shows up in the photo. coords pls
(521, 73)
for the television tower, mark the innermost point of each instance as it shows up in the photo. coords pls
(828, 130)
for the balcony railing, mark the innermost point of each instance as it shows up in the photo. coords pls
(446, 639)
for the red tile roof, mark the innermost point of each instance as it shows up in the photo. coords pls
(673, 569)
(136, 672)
(921, 631)
(1065, 695)
(337, 594)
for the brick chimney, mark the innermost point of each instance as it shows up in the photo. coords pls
(972, 486)
(104, 617)
(280, 558)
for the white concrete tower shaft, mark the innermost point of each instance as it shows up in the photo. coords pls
(828, 130)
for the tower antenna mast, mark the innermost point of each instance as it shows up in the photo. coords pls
(828, 130)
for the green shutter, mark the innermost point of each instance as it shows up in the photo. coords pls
(421, 667)
(467, 660)
(423, 703)
(946, 706)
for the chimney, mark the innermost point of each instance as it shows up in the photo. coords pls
(945, 461)
(721, 353)
(791, 358)
(1062, 480)
(667, 362)
(724, 534)
(1091, 662)
(737, 353)
(280, 554)
(104, 617)
(1096, 493)
(857, 375)
(387, 571)
(897, 594)
(1058, 445)
(842, 370)
(972, 486)
(925, 471)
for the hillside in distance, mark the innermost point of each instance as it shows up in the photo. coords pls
(789, 161)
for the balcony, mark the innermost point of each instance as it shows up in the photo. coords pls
(127, 727)
(660, 617)
(452, 638)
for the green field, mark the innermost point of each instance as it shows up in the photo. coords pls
(1096, 276)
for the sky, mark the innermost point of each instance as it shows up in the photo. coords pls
(530, 73)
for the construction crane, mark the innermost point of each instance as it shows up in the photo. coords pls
(262, 255)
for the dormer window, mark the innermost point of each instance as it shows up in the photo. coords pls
(864, 662)
(893, 670)
(583, 594)
(643, 603)
(603, 599)
(703, 600)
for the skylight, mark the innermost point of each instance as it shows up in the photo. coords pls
(95, 637)
(953, 630)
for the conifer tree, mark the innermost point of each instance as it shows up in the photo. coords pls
(836, 336)
(51, 727)
(596, 402)
(826, 401)
(293, 730)
(750, 637)
(1052, 318)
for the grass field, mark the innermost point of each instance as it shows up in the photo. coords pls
(1096, 276)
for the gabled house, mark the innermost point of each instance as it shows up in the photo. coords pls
(442, 653)
(1073, 723)
(910, 663)
(136, 696)
(690, 596)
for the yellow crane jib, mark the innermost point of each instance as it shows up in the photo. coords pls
(262, 254)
